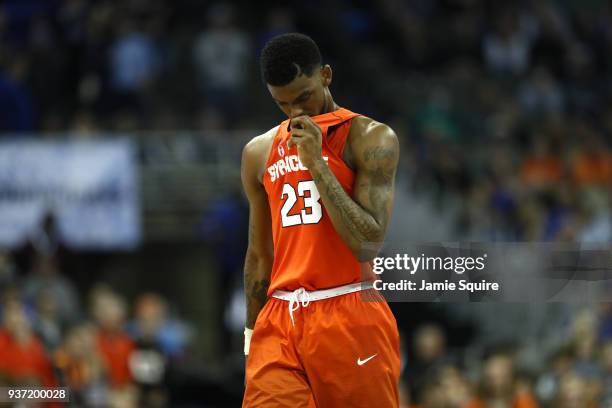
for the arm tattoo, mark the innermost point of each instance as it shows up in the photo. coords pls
(255, 287)
(377, 187)
(256, 283)
(361, 224)
(256, 295)
(380, 185)
(378, 153)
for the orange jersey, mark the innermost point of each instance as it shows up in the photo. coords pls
(308, 252)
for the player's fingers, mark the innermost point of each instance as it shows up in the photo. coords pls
(294, 140)
(301, 122)
(298, 122)
(297, 136)
(298, 133)
(305, 122)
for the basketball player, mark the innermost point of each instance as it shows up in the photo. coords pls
(320, 188)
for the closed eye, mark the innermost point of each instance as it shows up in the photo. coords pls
(303, 98)
(300, 99)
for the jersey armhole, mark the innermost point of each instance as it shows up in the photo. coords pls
(341, 153)
(270, 152)
(272, 145)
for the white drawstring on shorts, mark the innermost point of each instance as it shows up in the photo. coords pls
(302, 297)
(298, 297)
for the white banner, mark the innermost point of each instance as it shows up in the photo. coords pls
(89, 186)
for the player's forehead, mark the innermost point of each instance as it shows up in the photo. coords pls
(294, 89)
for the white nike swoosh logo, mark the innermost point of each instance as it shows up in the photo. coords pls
(361, 362)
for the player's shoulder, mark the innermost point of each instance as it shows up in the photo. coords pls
(259, 146)
(366, 131)
(255, 153)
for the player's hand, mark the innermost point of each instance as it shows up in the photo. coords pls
(307, 136)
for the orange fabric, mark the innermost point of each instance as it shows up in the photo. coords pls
(20, 361)
(303, 247)
(541, 171)
(593, 169)
(525, 400)
(77, 372)
(316, 360)
(115, 349)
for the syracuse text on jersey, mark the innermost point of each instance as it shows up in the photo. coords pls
(287, 164)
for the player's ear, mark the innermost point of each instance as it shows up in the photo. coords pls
(326, 75)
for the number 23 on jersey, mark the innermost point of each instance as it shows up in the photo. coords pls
(312, 211)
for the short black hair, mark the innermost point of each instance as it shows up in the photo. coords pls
(286, 56)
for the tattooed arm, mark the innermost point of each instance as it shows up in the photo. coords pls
(260, 252)
(362, 219)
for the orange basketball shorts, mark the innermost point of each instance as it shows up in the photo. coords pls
(338, 352)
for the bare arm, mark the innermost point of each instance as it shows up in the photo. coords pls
(260, 252)
(362, 219)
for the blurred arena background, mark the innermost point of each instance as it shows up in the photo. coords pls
(123, 225)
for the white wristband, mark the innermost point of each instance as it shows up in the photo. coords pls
(247, 340)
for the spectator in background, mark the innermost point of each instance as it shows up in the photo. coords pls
(591, 161)
(584, 341)
(436, 121)
(45, 279)
(605, 327)
(135, 64)
(115, 346)
(7, 270)
(447, 387)
(220, 55)
(559, 365)
(540, 94)
(500, 386)
(155, 340)
(48, 323)
(594, 218)
(22, 356)
(149, 361)
(542, 167)
(16, 109)
(429, 349)
(82, 368)
(573, 393)
(153, 326)
(507, 48)
(606, 363)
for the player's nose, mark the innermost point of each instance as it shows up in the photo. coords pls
(296, 111)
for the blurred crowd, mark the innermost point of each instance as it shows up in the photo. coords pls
(577, 373)
(504, 113)
(503, 108)
(108, 352)
(111, 353)
(86, 65)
